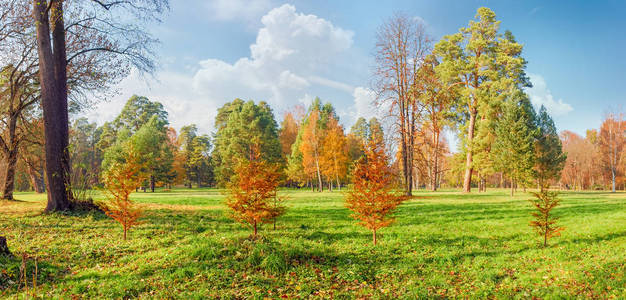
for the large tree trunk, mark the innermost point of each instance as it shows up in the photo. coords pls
(613, 174)
(467, 182)
(53, 81)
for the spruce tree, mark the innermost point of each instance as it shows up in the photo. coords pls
(513, 148)
(549, 156)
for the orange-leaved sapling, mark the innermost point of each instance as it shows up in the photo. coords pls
(120, 180)
(372, 198)
(545, 221)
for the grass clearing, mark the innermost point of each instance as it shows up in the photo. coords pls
(444, 244)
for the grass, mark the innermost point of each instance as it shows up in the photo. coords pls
(443, 245)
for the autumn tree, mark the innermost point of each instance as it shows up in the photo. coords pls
(545, 222)
(438, 114)
(252, 193)
(122, 178)
(73, 33)
(549, 156)
(578, 169)
(288, 133)
(514, 145)
(401, 46)
(372, 199)
(311, 147)
(612, 140)
(334, 158)
(486, 68)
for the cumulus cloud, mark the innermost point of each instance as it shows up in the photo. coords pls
(289, 61)
(364, 103)
(540, 95)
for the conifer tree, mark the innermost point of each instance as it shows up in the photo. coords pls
(513, 148)
(253, 191)
(549, 156)
(372, 199)
(545, 221)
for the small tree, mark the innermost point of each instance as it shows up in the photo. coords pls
(545, 223)
(372, 199)
(253, 191)
(120, 180)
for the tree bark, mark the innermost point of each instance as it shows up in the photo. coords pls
(9, 179)
(467, 182)
(374, 236)
(152, 183)
(53, 82)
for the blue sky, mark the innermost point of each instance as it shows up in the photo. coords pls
(288, 52)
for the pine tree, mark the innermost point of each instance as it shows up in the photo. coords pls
(513, 148)
(549, 156)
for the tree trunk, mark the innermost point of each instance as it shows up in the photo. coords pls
(613, 174)
(255, 229)
(467, 182)
(319, 175)
(152, 183)
(338, 184)
(374, 236)
(53, 85)
(4, 248)
(512, 187)
(9, 179)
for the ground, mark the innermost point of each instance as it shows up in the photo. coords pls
(443, 245)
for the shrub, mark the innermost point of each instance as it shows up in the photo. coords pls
(545, 222)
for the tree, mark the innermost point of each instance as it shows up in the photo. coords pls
(549, 156)
(372, 199)
(579, 165)
(311, 147)
(150, 142)
(438, 104)
(486, 68)
(252, 194)
(612, 141)
(137, 111)
(513, 148)
(334, 158)
(238, 125)
(122, 178)
(401, 46)
(288, 133)
(196, 156)
(545, 221)
(100, 30)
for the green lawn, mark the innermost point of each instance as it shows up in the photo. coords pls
(443, 245)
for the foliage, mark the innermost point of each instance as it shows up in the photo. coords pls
(513, 149)
(545, 221)
(372, 199)
(239, 124)
(612, 145)
(334, 158)
(252, 194)
(120, 180)
(484, 68)
(549, 156)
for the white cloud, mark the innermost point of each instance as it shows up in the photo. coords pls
(288, 63)
(540, 95)
(364, 103)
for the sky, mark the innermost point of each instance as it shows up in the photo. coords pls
(289, 52)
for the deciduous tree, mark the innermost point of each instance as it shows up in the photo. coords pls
(372, 198)
(252, 193)
(612, 143)
(334, 158)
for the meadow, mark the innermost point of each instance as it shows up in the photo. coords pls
(444, 245)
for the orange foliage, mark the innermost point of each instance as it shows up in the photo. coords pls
(311, 147)
(120, 181)
(334, 159)
(288, 133)
(545, 223)
(253, 191)
(372, 198)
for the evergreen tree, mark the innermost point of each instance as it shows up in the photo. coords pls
(549, 156)
(513, 148)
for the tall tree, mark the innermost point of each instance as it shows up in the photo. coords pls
(549, 156)
(334, 158)
(401, 46)
(238, 125)
(485, 67)
(515, 136)
(288, 133)
(311, 147)
(106, 32)
(612, 141)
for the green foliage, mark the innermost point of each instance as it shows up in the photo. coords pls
(549, 156)
(513, 148)
(196, 152)
(137, 111)
(239, 125)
